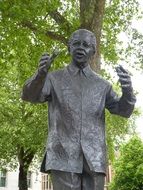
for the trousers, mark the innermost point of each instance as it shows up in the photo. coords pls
(87, 180)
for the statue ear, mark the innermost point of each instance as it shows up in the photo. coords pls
(68, 48)
(93, 50)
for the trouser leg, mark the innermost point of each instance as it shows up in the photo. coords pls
(88, 180)
(65, 180)
(92, 180)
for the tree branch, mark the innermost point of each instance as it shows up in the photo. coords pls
(25, 156)
(60, 20)
(56, 36)
(29, 25)
(50, 34)
(28, 156)
(20, 155)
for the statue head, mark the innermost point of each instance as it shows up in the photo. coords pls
(82, 46)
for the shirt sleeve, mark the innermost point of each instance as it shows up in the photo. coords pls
(37, 89)
(122, 106)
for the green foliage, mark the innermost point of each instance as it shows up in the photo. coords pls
(22, 124)
(135, 49)
(129, 166)
(116, 129)
(118, 18)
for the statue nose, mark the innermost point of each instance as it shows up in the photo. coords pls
(81, 45)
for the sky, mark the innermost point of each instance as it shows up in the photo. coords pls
(137, 79)
(137, 76)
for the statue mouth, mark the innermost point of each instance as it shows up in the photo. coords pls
(80, 54)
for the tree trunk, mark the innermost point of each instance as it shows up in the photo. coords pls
(91, 18)
(25, 158)
(22, 178)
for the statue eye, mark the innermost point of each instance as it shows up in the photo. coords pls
(76, 43)
(85, 44)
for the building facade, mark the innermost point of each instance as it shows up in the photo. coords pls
(9, 180)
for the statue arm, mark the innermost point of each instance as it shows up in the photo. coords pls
(122, 106)
(37, 89)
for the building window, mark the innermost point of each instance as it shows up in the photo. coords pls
(46, 182)
(3, 178)
(29, 179)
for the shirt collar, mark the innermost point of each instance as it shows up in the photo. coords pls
(86, 70)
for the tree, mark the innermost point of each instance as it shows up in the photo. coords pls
(28, 29)
(129, 166)
(22, 130)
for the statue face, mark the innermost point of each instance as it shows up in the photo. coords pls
(81, 48)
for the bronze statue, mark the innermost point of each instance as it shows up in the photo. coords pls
(77, 98)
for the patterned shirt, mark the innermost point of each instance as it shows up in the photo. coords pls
(76, 101)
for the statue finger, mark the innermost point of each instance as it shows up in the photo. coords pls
(126, 86)
(124, 75)
(43, 62)
(122, 69)
(44, 58)
(45, 54)
(42, 69)
(124, 80)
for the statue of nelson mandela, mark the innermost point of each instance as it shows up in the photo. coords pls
(77, 98)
